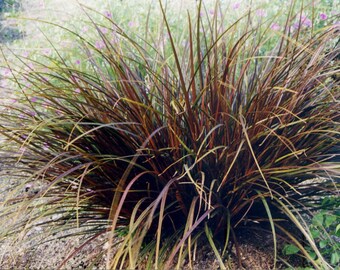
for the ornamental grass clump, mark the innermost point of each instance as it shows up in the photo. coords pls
(165, 145)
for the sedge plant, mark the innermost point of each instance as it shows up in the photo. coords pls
(162, 145)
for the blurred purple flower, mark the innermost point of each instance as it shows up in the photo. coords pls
(64, 44)
(100, 44)
(107, 14)
(27, 84)
(34, 99)
(5, 72)
(77, 62)
(132, 24)
(261, 13)
(30, 66)
(42, 4)
(275, 26)
(31, 113)
(211, 12)
(25, 54)
(104, 30)
(303, 21)
(114, 39)
(47, 51)
(296, 25)
(323, 16)
(307, 22)
(236, 5)
(77, 90)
